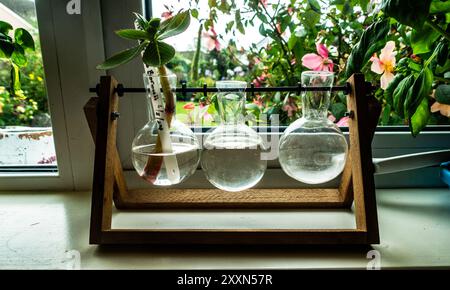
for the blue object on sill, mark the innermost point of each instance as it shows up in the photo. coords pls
(445, 172)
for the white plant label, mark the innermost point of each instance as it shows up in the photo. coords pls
(170, 161)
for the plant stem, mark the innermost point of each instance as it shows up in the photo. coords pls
(438, 29)
(196, 59)
(154, 163)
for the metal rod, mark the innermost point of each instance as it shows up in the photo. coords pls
(183, 90)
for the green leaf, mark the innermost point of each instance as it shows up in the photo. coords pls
(372, 40)
(386, 115)
(410, 12)
(420, 117)
(439, 7)
(389, 92)
(400, 93)
(175, 25)
(140, 21)
(423, 39)
(5, 27)
(133, 34)
(442, 50)
(6, 49)
(229, 26)
(420, 89)
(24, 38)
(122, 57)
(18, 56)
(442, 94)
(310, 19)
(194, 13)
(158, 53)
(15, 79)
(314, 5)
(338, 110)
(292, 41)
(237, 19)
(262, 30)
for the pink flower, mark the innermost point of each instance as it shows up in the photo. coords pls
(385, 65)
(204, 113)
(258, 101)
(441, 108)
(343, 122)
(332, 118)
(263, 2)
(189, 106)
(212, 41)
(319, 62)
(290, 107)
(166, 15)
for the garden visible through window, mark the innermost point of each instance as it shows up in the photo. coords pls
(271, 42)
(26, 137)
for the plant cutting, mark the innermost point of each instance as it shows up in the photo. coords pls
(155, 53)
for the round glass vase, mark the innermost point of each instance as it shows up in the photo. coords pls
(231, 157)
(165, 151)
(313, 149)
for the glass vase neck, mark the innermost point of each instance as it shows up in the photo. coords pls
(315, 103)
(231, 104)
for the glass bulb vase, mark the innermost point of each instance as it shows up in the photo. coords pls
(313, 149)
(165, 151)
(231, 157)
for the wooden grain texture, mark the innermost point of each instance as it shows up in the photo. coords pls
(236, 237)
(120, 185)
(105, 144)
(361, 157)
(106, 159)
(346, 185)
(215, 198)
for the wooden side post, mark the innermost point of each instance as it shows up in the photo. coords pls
(105, 145)
(361, 158)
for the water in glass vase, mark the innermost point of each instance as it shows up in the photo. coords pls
(187, 156)
(231, 157)
(233, 167)
(313, 149)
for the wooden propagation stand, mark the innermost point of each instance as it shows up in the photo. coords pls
(357, 184)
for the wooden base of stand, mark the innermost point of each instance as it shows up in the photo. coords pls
(357, 186)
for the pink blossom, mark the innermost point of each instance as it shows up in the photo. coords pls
(212, 41)
(263, 2)
(166, 15)
(320, 62)
(204, 112)
(258, 101)
(385, 64)
(441, 108)
(343, 122)
(290, 107)
(332, 118)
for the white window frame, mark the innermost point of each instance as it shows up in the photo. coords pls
(72, 45)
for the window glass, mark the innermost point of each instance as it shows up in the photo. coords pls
(270, 43)
(26, 137)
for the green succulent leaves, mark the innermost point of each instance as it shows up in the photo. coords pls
(175, 25)
(150, 34)
(122, 57)
(158, 53)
